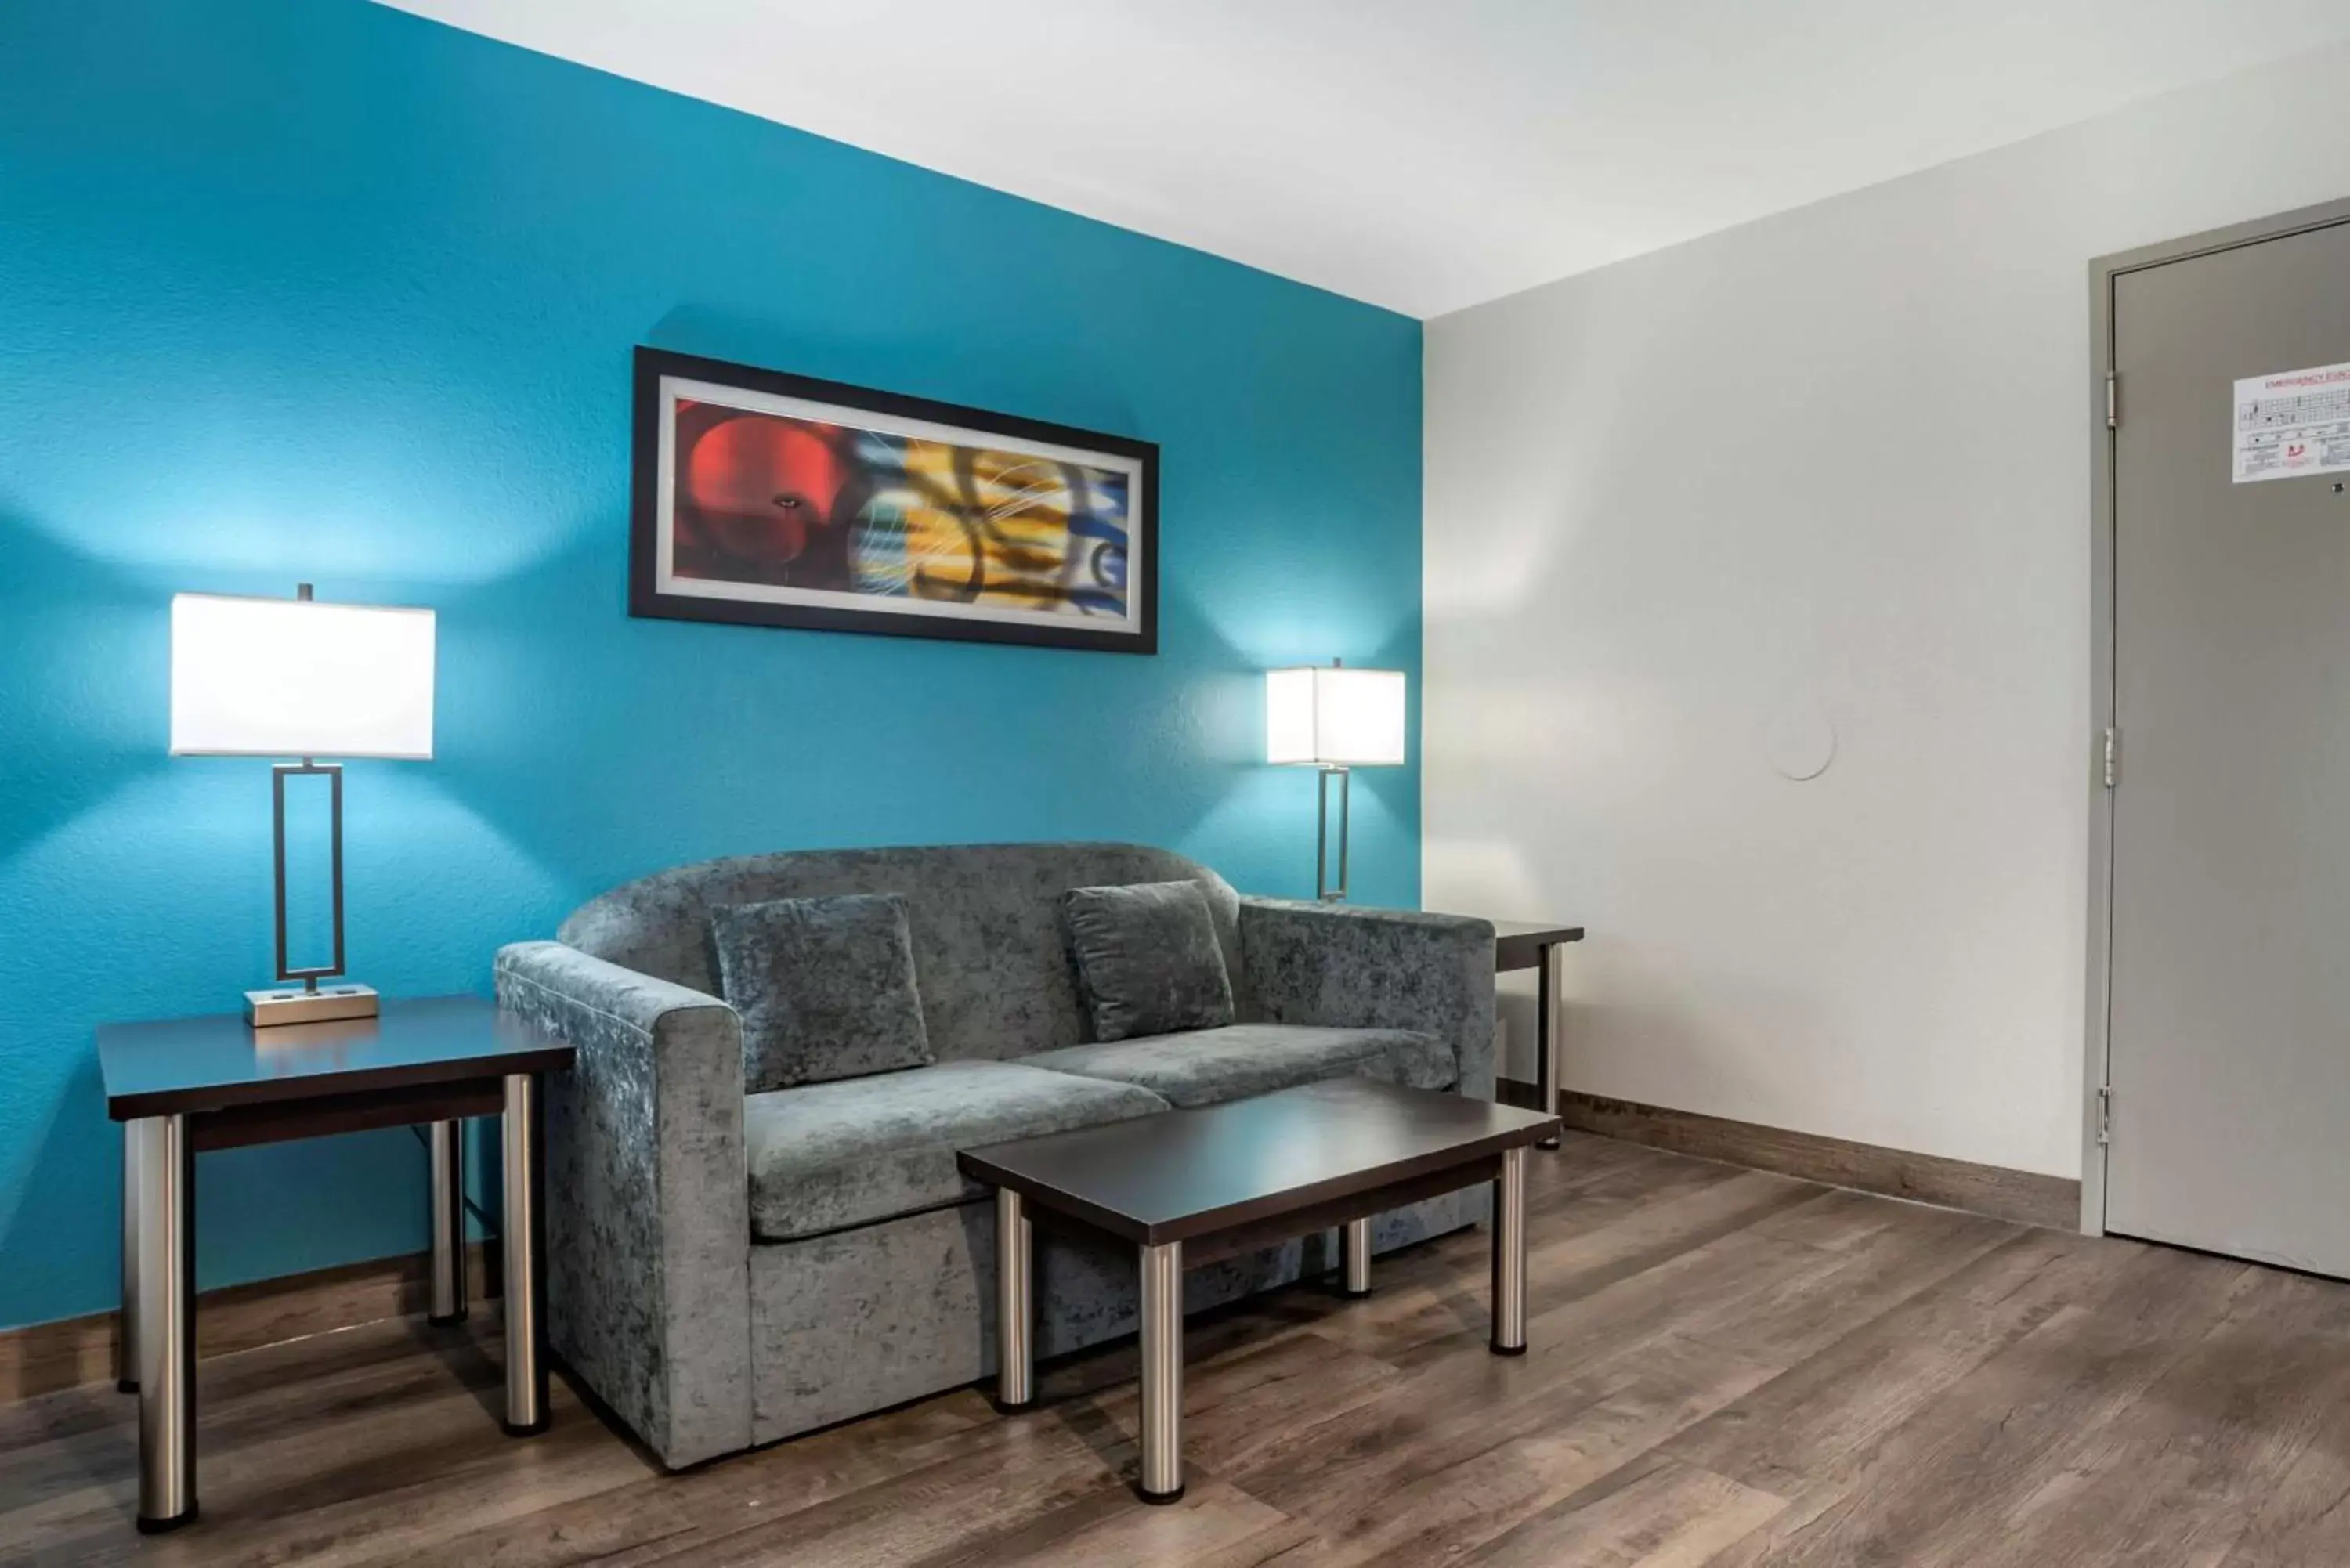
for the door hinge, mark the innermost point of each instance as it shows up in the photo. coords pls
(2113, 400)
(2113, 756)
(2105, 1114)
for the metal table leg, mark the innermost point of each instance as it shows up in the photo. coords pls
(525, 1286)
(1354, 1258)
(126, 1331)
(1163, 1373)
(1015, 1311)
(167, 1323)
(448, 1143)
(1509, 1255)
(1547, 1022)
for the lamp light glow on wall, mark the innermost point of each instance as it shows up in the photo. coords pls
(1336, 719)
(295, 678)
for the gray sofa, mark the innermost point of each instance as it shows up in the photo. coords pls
(725, 1270)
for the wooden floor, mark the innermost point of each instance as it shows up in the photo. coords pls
(1727, 1368)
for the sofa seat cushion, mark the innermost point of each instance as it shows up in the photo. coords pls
(1210, 1066)
(827, 1157)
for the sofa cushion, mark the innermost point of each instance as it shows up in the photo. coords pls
(825, 988)
(1209, 1066)
(1147, 959)
(826, 1157)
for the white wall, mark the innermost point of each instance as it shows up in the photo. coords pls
(1834, 468)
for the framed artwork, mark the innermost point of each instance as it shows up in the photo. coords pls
(766, 498)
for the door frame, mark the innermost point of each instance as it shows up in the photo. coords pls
(2096, 1061)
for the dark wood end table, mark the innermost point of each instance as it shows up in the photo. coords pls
(1194, 1187)
(1536, 944)
(189, 1084)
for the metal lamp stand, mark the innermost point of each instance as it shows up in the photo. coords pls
(1323, 889)
(310, 1005)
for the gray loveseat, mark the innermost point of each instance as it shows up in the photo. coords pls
(725, 1270)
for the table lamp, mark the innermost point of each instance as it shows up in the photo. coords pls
(1336, 719)
(295, 678)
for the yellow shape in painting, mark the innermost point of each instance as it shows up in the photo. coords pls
(1019, 548)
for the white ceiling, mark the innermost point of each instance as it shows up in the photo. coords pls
(1421, 154)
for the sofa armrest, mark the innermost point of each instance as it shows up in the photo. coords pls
(648, 1205)
(1376, 969)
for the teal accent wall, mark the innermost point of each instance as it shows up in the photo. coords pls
(312, 290)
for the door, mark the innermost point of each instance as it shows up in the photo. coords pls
(2229, 1028)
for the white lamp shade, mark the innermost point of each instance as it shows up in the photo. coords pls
(1334, 717)
(295, 677)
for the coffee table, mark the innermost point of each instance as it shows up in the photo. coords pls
(1193, 1186)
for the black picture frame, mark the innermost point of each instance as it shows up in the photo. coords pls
(653, 595)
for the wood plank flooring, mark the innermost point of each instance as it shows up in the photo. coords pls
(1728, 1369)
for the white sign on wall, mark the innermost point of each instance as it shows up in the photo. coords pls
(2293, 423)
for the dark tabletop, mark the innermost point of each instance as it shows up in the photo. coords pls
(1520, 944)
(1181, 1174)
(185, 1065)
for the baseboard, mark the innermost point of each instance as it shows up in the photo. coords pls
(47, 1356)
(2022, 1195)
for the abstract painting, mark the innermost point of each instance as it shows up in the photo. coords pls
(776, 500)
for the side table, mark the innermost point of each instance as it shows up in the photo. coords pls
(189, 1085)
(1524, 944)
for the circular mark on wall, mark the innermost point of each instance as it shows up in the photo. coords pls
(1801, 743)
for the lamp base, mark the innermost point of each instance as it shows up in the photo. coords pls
(293, 1005)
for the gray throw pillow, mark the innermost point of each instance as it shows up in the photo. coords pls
(825, 988)
(1147, 959)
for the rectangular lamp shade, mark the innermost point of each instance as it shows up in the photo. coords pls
(295, 678)
(1334, 717)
